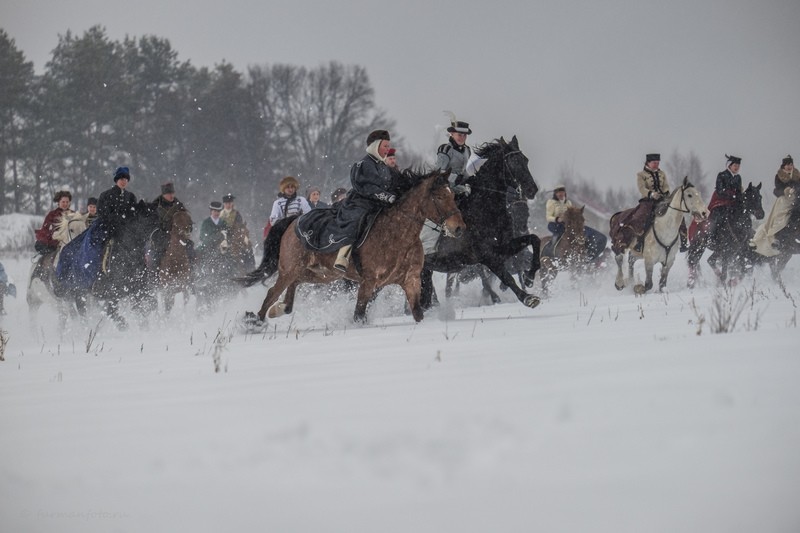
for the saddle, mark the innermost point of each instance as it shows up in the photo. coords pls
(549, 249)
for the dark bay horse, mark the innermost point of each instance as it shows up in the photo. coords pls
(391, 253)
(174, 269)
(569, 252)
(240, 252)
(113, 271)
(729, 242)
(489, 239)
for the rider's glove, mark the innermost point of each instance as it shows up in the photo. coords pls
(464, 189)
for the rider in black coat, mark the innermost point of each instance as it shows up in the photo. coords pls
(117, 206)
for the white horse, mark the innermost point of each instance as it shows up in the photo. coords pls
(40, 283)
(661, 240)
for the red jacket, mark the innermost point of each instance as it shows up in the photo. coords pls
(44, 234)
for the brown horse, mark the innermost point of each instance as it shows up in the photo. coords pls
(569, 252)
(174, 269)
(240, 249)
(391, 253)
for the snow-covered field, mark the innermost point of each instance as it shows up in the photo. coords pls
(597, 411)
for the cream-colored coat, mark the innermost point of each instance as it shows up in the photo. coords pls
(555, 208)
(778, 216)
(646, 183)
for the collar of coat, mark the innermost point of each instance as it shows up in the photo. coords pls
(786, 177)
(457, 147)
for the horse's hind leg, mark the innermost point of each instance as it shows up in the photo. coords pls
(285, 307)
(486, 281)
(273, 294)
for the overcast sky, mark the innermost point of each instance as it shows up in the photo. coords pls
(592, 85)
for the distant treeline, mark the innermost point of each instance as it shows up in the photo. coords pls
(102, 103)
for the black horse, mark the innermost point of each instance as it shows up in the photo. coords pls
(112, 270)
(489, 239)
(729, 241)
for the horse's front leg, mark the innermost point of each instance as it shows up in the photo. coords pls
(535, 243)
(648, 278)
(662, 280)
(412, 287)
(619, 283)
(365, 292)
(427, 295)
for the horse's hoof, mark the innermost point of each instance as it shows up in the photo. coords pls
(277, 309)
(639, 289)
(251, 323)
(531, 301)
(619, 287)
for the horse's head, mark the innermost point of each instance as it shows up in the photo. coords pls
(182, 224)
(437, 202)
(688, 200)
(504, 160)
(751, 201)
(574, 223)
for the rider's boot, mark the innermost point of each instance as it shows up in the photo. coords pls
(343, 258)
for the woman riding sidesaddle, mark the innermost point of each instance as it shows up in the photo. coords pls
(634, 223)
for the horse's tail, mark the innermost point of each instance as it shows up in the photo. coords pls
(272, 250)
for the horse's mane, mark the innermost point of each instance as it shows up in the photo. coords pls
(61, 231)
(493, 148)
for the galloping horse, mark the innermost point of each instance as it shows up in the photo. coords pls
(489, 238)
(569, 252)
(42, 278)
(240, 249)
(790, 245)
(661, 239)
(729, 242)
(174, 269)
(111, 271)
(391, 253)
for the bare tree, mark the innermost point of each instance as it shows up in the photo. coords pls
(678, 165)
(317, 119)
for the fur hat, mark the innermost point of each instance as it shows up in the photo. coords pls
(122, 172)
(215, 205)
(337, 193)
(786, 160)
(61, 194)
(167, 188)
(733, 160)
(378, 134)
(91, 201)
(652, 157)
(391, 153)
(311, 189)
(287, 181)
(559, 188)
(459, 126)
(228, 198)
